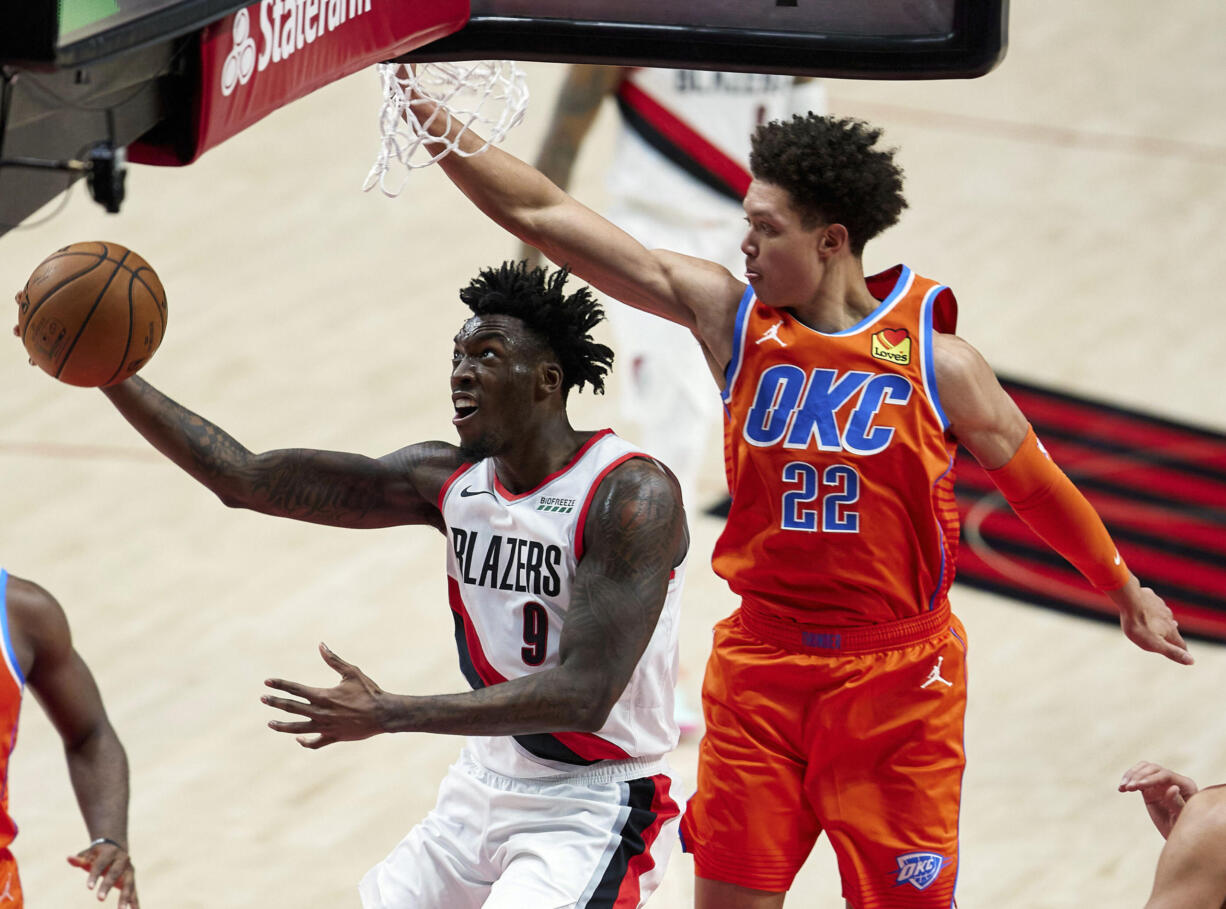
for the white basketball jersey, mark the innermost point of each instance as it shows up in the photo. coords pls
(671, 119)
(511, 562)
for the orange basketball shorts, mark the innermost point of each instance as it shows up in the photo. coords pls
(10, 884)
(854, 731)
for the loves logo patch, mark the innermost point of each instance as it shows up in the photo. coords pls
(892, 344)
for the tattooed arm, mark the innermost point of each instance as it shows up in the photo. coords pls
(323, 487)
(635, 536)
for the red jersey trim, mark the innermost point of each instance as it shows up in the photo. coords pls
(591, 494)
(587, 745)
(512, 497)
(685, 138)
(590, 746)
(480, 663)
(663, 809)
(450, 481)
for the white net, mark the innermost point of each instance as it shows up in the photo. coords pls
(489, 96)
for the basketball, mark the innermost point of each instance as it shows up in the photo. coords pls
(92, 314)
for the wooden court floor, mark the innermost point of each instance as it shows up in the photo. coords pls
(1074, 200)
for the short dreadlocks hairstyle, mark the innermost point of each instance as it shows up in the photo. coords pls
(832, 172)
(562, 324)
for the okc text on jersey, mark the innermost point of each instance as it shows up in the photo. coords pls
(799, 411)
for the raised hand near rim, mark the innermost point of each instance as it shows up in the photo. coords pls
(347, 712)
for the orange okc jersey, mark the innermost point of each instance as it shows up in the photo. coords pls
(12, 682)
(839, 463)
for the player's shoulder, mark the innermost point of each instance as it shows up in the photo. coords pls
(956, 363)
(644, 469)
(969, 391)
(641, 484)
(427, 465)
(432, 455)
(36, 621)
(707, 283)
(953, 351)
(638, 507)
(708, 290)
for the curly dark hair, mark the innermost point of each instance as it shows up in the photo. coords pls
(561, 324)
(832, 172)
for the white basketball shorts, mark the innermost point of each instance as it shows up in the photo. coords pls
(503, 843)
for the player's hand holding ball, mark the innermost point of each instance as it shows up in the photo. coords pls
(91, 314)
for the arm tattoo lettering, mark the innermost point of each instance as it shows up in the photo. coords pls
(296, 487)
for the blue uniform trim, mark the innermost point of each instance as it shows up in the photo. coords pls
(738, 343)
(953, 901)
(926, 330)
(903, 282)
(4, 628)
(941, 531)
(960, 641)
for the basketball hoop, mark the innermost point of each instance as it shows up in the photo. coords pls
(489, 95)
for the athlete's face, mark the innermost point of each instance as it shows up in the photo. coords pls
(781, 255)
(493, 383)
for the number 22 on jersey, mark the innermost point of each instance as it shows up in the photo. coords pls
(828, 493)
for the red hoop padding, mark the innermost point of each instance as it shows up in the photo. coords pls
(261, 58)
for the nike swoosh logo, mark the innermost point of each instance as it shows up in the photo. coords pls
(469, 491)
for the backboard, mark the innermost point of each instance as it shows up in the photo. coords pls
(851, 39)
(71, 33)
(168, 79)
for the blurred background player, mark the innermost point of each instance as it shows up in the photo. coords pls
(680, 170)
(38, 652)
(1192, 868)
(565, 564)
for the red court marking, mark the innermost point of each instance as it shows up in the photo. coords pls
(1162, 494)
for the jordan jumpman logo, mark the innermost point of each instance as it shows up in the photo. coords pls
(934, 675)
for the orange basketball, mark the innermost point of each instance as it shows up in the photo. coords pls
(93, 314)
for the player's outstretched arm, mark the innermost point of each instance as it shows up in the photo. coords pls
(695, 293)
(1165, 792)
(583, 90)
(323, 487)
(1192, 867)
(97, 764)
(635, 536)
(987, 421)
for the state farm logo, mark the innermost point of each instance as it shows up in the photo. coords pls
(240, 62)
(286, 27)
